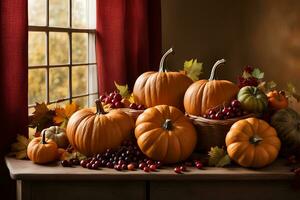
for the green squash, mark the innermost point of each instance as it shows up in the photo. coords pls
(287, 124)
(252, 99)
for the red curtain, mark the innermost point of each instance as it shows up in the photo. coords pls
(128, 40)
(13, 80)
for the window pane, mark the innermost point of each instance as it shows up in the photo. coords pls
(79, 80)
(58, 84)
(37, 12)
(36, 86)
(36, 48)
(82, 102)
(92, 48)
(58, 48)
(59, 13)
(92, 99)
(93, 81)
(80, 14)
(80, 47)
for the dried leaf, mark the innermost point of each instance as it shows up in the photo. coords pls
(267, 86)
(246, 75)
(42, 117)
(193, 69)
(292, 92)
(19, 148)
(21, 154)
(123, 90)
(62, 115)
(218, 157)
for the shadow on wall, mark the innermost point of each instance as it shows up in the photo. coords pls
(264, 33)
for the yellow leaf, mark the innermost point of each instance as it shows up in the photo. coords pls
(131, 98)
(193, 69)
(17, 146)
(21, 154)
(22, 139)
(123, 90)
(64, 114)
(70, 109)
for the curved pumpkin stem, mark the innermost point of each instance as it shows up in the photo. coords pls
(162, 60)
(168, 124)
(99, 107)
(218, 63)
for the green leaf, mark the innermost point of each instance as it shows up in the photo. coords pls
(218, 157)
(123, 90)
(193, 69)
(258, 74)
(292, 92)
(267, 86)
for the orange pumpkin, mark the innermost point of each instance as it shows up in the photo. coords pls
(253, 143)
(205, 94)
(91, 133)
(164, 133)
(42, 150)
(277, 100)
(157, 88)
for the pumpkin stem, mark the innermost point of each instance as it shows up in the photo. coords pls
(162, 60)
(255, 140)
(218, 63)
(43, 141)
(168, 124)
(99, 107)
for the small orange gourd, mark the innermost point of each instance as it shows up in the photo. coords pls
(277, 100)
(42, 150)
(252, 143)
(205, 94)
(164, 133)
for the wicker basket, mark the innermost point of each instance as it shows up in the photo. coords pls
(212, 132)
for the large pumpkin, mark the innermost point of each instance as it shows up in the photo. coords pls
(205, 94)
(287, 124)
(253, 143)
(42, 150)
(252, 99)
(164, 133)
(91, 133)
(157, 88)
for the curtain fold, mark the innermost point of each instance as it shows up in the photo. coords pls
(13, 80)
(128, 40)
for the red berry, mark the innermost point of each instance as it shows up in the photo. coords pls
(177, 170)
(83, 163)
(235, 104)
(119, 104)
(142, 165)
(95, 166)
(102, 97)
(153, 167)
(133, 106)
(66, 163)
(141, 107)
(183, 168)
(107, 100)
(131, 167)
(146, 169)
(111, 95)
(199, 165)
(117, 97)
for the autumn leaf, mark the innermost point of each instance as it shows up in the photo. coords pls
(193, 69)
(218, 157)
(292, 92)
(19, 148)
(267, 86)
(257, 73)
(123, 90)
(62, 115)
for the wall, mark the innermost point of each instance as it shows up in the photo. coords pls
(263, 33)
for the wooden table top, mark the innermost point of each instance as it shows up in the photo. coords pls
(26, 170)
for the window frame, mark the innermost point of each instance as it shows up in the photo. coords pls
(47, 66)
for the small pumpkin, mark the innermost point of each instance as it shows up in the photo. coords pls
(57, 134)
(277, 100)
(252, 99)
(164, 133)
(287, 123)
(162, 87)
(42, 150)
(205, 94)
(252, 143)
(91, 133)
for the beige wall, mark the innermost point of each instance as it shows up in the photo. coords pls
(263, 33)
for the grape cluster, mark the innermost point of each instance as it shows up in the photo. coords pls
(226, 112)
(116, 101)
(251, 81)
(126, 157)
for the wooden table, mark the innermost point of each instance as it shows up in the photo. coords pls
(55, 182)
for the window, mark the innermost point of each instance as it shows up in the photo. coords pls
(61, 52)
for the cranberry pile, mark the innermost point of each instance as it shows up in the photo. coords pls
(249, 81)
(226, 112)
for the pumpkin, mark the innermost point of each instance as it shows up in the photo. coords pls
(57, 134)
(252, 143)
(252, 99)
(287, 124)
(162, 87)
(205, 94)
(91, 133)
(164, 133)
(42, 150)
(277, 100)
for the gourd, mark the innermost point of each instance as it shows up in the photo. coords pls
(42, 150)
(162, 87)
(252, 99)
(91, 133)
(277, 100)
(164, 133)
(57, 134)
(205, 94)
(287, 123)
(252, 143)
